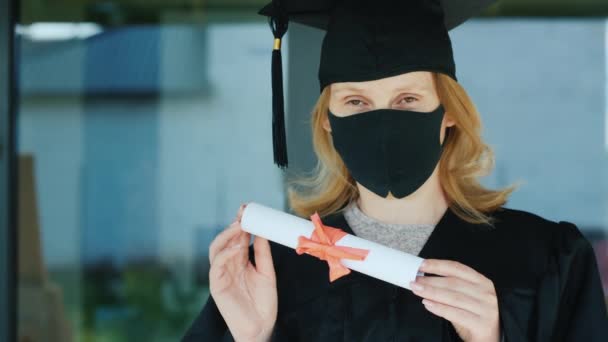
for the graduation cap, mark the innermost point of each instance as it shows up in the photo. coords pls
(367, 40)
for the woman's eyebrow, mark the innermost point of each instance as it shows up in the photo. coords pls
(409, 87)
(349, 88)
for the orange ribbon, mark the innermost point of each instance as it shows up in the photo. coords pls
(322, 245)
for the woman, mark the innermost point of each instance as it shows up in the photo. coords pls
(399, 151)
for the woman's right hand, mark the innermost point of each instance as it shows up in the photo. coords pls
(246, 295)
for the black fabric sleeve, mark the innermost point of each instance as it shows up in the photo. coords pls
(581, 311)
(208, 326)
(568, 304)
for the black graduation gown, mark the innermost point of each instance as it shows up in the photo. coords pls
(545, 274)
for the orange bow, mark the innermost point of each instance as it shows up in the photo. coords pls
(322, 245)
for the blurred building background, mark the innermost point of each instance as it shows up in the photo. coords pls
(142, 126)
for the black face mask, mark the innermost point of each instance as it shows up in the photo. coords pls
(389, 149)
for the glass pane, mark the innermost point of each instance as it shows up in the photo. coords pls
(142, 131)
(134, 143)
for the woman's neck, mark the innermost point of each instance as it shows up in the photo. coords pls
(425, 206)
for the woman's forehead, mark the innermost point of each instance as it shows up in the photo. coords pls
(411, 81)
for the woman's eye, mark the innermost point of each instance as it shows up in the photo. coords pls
(409, 99)
(353, 102)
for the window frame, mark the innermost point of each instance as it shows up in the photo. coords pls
(8, 174)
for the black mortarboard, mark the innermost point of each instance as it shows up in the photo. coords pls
(367, 40)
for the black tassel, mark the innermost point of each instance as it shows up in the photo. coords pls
(278, 24)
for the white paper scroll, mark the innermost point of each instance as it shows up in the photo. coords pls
(382, 262)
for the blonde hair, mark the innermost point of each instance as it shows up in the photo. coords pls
(465, 158)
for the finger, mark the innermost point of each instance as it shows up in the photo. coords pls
(263, 256)
(239, 214)
(453, 268)
(455, 284)
(244, 238)
(223, 239)
(451, 298)
(452, 314)
(218, 267)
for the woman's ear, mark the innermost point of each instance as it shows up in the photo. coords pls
(326, 125)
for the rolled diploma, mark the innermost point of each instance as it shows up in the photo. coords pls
(384, 263)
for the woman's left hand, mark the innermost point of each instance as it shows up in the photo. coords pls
(463, 296)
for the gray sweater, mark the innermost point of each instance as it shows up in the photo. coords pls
(409, 238)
